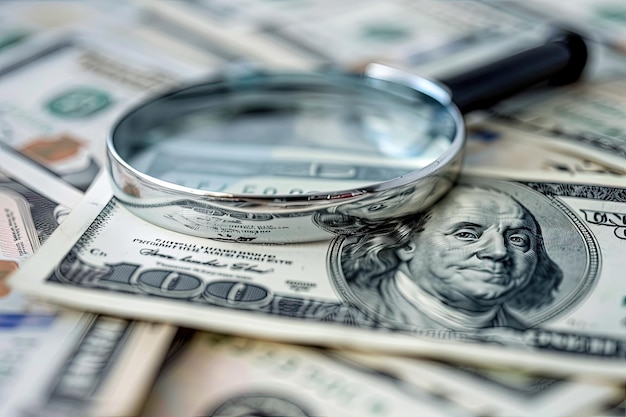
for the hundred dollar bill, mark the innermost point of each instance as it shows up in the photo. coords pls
(58, 103)
(253, 16)
(221, 376)
(22, 22)
(78, 365)
(236, 28)
(590, 117)
(509, 268)
(500, 145)
(498, 391)
(603, 19)
(166, 37)
(61, 363)
(412, 34)
(304, 35)
(36, 22)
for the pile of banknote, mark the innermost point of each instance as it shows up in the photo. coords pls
(104, 314)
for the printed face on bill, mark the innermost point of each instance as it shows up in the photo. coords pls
(477, 249)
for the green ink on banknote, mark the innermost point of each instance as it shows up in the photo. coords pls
(612, 12)
(385, 33)
(12, 38)
(79, 102)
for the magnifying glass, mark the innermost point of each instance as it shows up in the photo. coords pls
(288, 157)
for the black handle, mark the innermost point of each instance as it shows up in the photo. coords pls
(559, 61)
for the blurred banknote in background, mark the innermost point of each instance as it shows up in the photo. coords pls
(206, 373)
(603, 19)
(305, 34)
(52, 362)
(590, 118)
(278, 380)
(508, 145)
(77, 88)
(497, 391)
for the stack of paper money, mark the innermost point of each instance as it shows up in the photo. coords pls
(508, 299)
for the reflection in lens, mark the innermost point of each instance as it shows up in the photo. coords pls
(286, 135)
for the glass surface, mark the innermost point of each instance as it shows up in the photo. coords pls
(286, 134)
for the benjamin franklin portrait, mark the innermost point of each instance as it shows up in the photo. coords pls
(475, 260)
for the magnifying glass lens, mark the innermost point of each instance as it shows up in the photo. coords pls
(288, 134)
(284, 158)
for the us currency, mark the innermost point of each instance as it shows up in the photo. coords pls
(498, 391)
(35, 22)
(415, 35)
(56, 362)
(26, 22)
(603, 19)
(236, 29)
(177, 42)
(258, 15)
(216, 375)
(550, 298)
(588, 117)
(500, 144)
(59, 102)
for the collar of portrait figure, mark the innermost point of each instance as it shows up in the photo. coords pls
(451, 317)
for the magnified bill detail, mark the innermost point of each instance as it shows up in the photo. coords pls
(289, 135)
